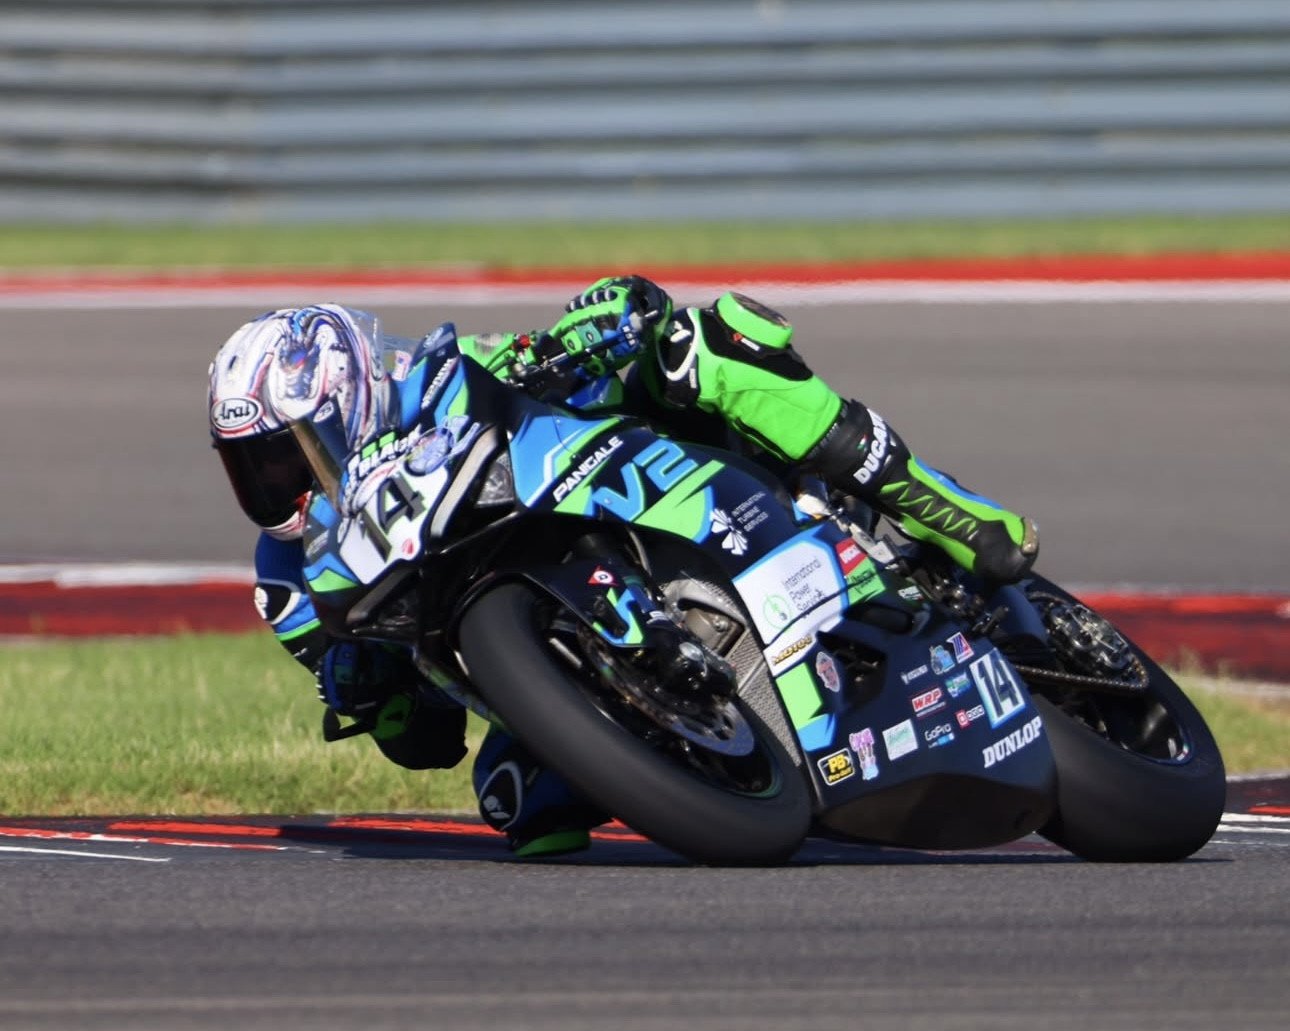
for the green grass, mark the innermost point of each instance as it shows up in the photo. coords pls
(209, 724)
(613, 244)
(1252, 733)
(188, 724)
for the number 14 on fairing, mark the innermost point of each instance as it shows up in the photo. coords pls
(390, 522)
(997, 684)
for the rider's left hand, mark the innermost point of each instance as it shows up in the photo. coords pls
(356, 678)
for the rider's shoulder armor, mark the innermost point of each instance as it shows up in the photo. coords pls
(736, 328)
(743, 330)
(751, 325)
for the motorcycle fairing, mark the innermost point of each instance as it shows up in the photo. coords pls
(869, 740)
(365, 534)
(324, 571)
(798, 577)
(546, 446)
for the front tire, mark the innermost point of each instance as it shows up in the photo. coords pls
(556, 711)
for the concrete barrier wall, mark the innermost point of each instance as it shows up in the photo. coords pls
(308, 109)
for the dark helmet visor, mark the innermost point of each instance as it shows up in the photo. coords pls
(268, 474)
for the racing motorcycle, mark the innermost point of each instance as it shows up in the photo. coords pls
(728, 665)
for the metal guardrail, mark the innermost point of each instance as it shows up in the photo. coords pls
(303, 109)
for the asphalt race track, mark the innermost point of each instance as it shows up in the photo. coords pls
(150, 925)
(1147, 438)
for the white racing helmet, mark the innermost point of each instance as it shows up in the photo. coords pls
(280, 368)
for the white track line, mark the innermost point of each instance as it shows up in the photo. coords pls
(74, 852)
(1258, 819)
(126, 574)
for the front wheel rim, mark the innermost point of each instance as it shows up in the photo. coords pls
(721, 749)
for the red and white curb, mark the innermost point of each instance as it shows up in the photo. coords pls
(1243, 635)
(257, 833)
(151, 839)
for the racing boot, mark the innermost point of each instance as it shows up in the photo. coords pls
(536, 810)
(861, 455)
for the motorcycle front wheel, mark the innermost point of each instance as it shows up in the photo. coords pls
(708, 780)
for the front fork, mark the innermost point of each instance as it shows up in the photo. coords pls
(614, 601)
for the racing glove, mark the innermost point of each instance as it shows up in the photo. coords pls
(354, 678)
(617, 318)
(413, 723)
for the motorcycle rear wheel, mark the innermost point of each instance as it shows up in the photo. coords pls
(751, 810)
(1139, 779)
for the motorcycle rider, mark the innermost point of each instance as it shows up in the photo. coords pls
(731, 364)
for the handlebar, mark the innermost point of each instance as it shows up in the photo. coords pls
(548, 373)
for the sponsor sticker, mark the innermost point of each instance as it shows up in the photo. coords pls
(424, 452)
(793, 580)
(865, 748)
(602, 577)
(900, 739)
(436, 384)
(910, 675)
(967, 717)
(997, 685)
(941, 734)
(928, 702)
(314, 546)
(235, 413)
(790, 651)
(733, 540)
(942, 660)
(749, 513)
(836, 767)
(749, 503)
(827, 670)
(584, 469)
(957, 684)
(962, 650)
(402, 366)
(878, 446)
(806, 586)
(864, 577)
(1012, 743)
(776, 611)
(850, 555)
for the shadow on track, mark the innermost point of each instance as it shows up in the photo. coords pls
(447, 839)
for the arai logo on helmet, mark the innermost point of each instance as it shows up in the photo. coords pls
(235, 413)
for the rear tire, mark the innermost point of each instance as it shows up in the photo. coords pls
(538, 696)
(1121, 804)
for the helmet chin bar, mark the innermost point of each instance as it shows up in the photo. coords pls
(291, 528)
(268, 475)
